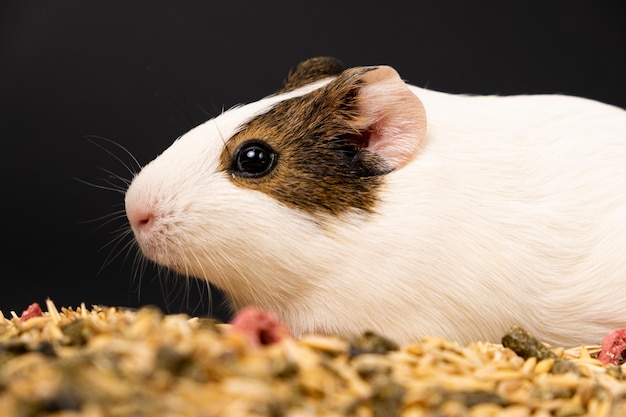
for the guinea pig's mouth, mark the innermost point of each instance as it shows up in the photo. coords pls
(167, 251)
(155, 253)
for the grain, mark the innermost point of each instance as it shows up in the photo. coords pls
(104, 361)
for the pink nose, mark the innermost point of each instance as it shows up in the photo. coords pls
(140, 218)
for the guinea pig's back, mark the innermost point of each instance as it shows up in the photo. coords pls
(513, 199)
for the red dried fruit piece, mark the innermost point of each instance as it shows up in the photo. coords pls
(613, 349)
(33, 310)
(259, 327)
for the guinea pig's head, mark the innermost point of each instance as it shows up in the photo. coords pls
(251, 192)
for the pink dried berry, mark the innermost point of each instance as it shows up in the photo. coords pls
(33, 310)
(259, 327)
(613, 349)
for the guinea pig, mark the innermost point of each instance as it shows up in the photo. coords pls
(350, 200)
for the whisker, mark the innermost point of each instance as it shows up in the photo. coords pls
(138, 268)
(116, 176)
(116, 242)
(170, 278)
(111, 187)
(93, 138)
(111, 216)
(116, 215)
(217, 127)
(202, 288)
(125, 181)
(222, 138)
(122, 244)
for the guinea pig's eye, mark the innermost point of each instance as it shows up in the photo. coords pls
(253, 159)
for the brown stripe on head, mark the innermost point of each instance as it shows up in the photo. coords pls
(328, 151)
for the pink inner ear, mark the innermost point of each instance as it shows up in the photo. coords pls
(394, 117)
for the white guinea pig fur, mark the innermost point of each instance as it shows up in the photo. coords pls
(351, 201)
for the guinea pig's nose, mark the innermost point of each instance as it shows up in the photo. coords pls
(140, 218)
(139, 212)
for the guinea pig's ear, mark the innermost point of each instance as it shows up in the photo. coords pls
(311, 70)
(390, 115)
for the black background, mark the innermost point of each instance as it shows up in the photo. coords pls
(142, 73)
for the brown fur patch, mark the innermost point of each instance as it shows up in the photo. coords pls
(322, 165)
(313, 69)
